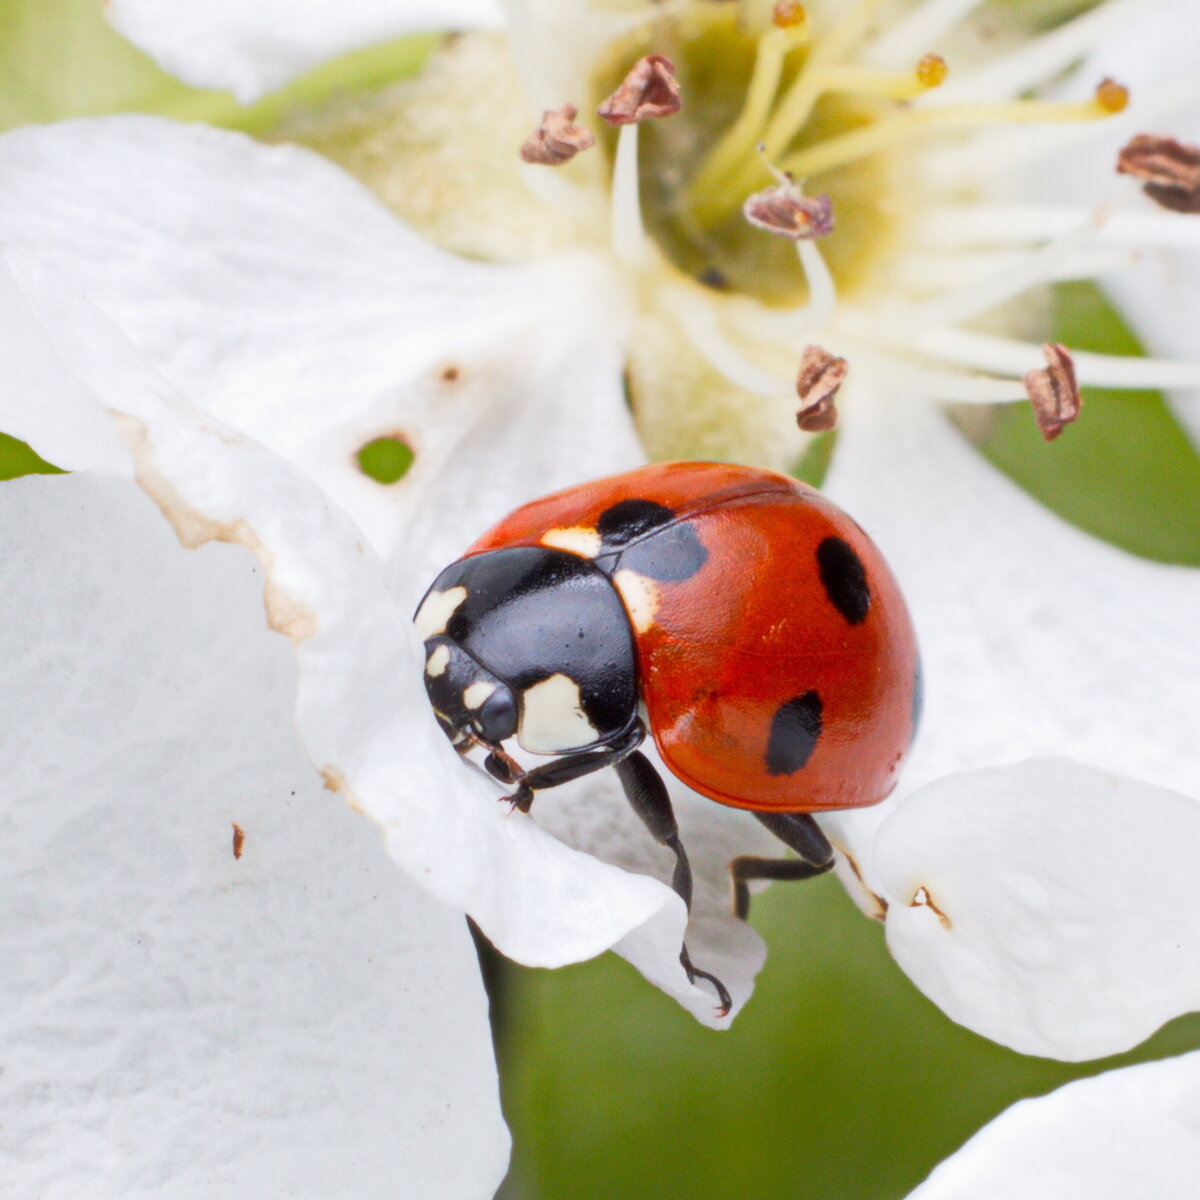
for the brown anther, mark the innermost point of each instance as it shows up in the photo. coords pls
(932, 71)
(649, 90)
(784, 209)
(557, 139)
(1054, 391)
(1171, 170)
(786, 14)
(239, 840)
(1112, 96)
(821, 375)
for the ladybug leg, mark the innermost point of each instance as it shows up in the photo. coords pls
(566, 769)
(648, 796)
(646, 792)
(802, 834)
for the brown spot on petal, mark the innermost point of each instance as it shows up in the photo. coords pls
(879, 906)
(1171, 170)
(285, 614)
(785, 210)
(1054, 391)
(334, 781)
(239, 840)
(450, 374)
(557, 139)
(649, 90)
(922, 899)
(821, 375)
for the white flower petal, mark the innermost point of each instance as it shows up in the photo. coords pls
(557, 44)
(1048, 906)
(362, 712)
(1160, 295)
(1131, 1132)
(1154, 56)
(278, 294)
(1036, 639)
(252, 48)
(593, 815)
(178, 1020)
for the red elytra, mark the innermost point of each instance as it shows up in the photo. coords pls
(782, 674)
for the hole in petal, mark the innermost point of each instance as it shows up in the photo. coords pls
(16, 458)
(386, 459)
(922, 899)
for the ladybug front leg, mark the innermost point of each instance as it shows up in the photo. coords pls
(563, 770)
(802, 834)
(648, 795)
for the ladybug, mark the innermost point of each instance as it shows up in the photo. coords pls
(739, 617)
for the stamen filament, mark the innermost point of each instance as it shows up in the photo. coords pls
(797, 103)
(970, 300)
(925, 273)
(740, 138)
(839, 151)
(698, 319)
(628, 233)
(822, 293)
(951, 226)
(925, 382)
(988, 352)
(866, 81)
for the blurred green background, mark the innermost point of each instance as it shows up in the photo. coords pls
(839, 1080)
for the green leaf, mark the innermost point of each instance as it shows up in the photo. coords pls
(1125, 470)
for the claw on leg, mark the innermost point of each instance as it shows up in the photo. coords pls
(694, 973)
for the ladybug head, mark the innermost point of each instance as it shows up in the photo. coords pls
(531, 641)
(470, 702)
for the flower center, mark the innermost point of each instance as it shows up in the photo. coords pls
(787, 95)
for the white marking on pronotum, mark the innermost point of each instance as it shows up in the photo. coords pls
(477, 693)
(578, 539)
(438, 660)
(433, 616)
(640, 596)
(552, 717)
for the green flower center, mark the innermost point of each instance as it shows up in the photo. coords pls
(701, 229)
(787, 98)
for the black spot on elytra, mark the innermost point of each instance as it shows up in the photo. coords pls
(845, 579)
(795, 729)
(631, 519)
(643, 536)
(671, 556)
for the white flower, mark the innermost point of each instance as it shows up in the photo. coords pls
(280, 299)
(1126, 1133)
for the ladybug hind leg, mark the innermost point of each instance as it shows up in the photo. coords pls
(802, 834)
(647, 794)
